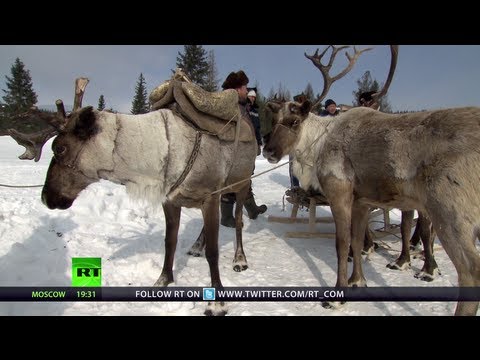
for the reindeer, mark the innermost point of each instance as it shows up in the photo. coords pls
(423, 227)
(362, 158)
(160, 158)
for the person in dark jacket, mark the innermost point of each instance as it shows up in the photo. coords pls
(238, 81)
(330, 108)
(252, 109)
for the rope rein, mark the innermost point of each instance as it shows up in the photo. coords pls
(248, 179)
(20, 186)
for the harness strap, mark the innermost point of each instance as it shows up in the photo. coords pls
(190, 162)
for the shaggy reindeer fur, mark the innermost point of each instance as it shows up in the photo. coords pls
(148, 154)
(428, 161)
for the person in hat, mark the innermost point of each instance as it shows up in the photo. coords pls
(252, 109)
(366, 98)
(238, 81)
(330, 108)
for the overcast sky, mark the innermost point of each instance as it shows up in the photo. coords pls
(427, 76)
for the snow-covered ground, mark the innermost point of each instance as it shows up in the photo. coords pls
(37, 245)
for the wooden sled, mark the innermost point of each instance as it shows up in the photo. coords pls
(299, 197)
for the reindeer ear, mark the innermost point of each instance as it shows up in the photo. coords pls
(85, 124)
(306, 107)
(302, 109)
(274, 107)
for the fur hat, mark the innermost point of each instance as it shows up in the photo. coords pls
(235, 80)
(366, 97)
(329, 102)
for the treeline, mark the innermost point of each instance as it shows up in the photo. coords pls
(196, 62)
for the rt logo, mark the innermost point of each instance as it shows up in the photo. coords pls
(86, 272)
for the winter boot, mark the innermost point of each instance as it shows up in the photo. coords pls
(227, 218)
(252, 209)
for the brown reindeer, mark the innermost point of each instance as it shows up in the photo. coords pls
(427, 273)
(160, 158)
(428, 161)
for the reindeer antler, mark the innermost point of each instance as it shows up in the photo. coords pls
(80, 85)
(325, 69)
(393, 66)
(34, 142)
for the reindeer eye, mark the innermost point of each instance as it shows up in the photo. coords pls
(60, 150)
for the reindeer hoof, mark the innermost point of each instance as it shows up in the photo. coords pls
(332, 305)
(163, 280)
(240, 263)
(209, 312)
(239, 268)
(216, 309)
(425, 276)
(369, 251)
(396, 266)
(415, 247)
(195, 252)
(357, 283)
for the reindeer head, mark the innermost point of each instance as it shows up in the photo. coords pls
(287, 118)
(65, 179)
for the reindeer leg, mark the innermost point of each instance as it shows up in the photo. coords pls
(415, 240)
(359, 225)
(240, 260)
(210, 213)
(341, 205)
(403, 261)
(457, 231)
(199, 245)
(430, 267)
(368, 245)
(172, 219)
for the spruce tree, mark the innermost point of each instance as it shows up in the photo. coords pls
(211, 80)
(309, 93)
(19, 96)
(195, 64)
(367, 83)
(271, 94)
(101, 103)
(264, 115)
(283, 92)
(140, 100)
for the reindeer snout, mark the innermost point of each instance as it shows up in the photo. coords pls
(268, 154)
(44, 197)
(55, 201)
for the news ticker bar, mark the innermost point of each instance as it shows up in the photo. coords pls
(38, 294)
